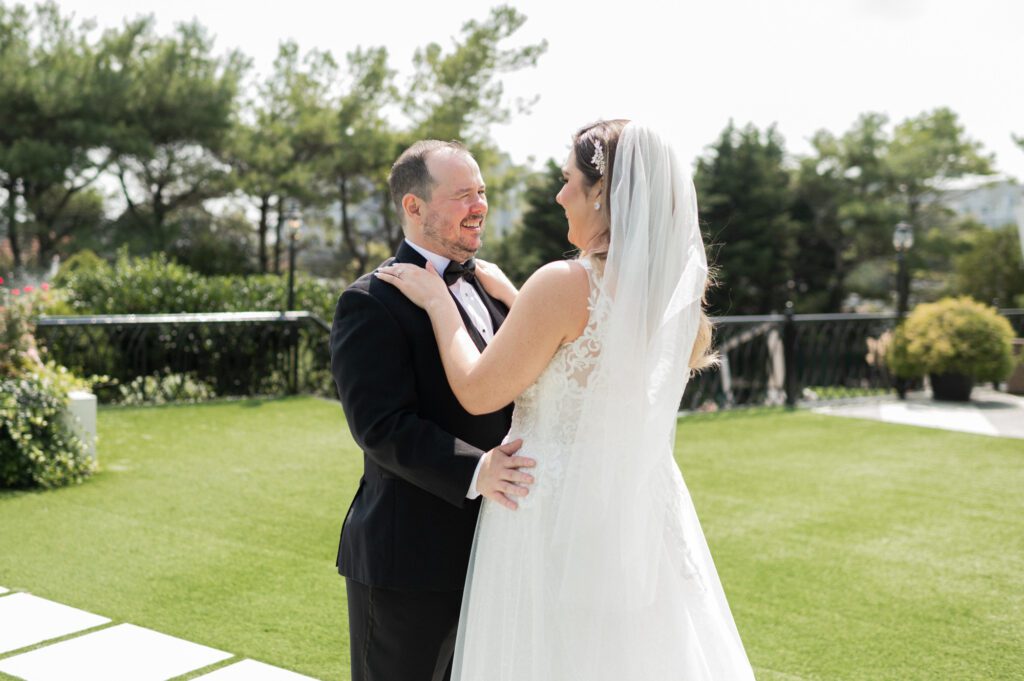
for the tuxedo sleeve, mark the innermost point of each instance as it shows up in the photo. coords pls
(371, 361)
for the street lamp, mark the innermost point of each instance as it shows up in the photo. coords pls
(294, 223)
(902, 241)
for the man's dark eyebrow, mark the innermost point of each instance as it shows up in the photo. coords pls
(459, 192)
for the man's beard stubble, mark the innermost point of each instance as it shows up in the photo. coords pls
(454, 249)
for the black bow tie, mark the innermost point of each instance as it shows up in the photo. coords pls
(456, 271)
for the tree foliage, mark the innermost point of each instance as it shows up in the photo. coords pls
(744, 201)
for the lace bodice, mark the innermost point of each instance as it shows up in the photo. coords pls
(547, 413)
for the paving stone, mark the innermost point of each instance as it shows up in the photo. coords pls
(26, 620)
(251, 670)
(121, 653)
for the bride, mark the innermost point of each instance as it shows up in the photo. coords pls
(602, 572)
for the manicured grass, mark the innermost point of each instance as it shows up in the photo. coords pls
(848, 549)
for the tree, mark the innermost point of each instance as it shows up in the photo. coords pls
(459, 95)
(843, 211)
(993, 268)
(54, 121)
(364, 146)
(541, 236)
(278, 154)
(179, 101)
(924, 154)
(744, 195)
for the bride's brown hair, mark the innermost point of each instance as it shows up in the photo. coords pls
(584, 145)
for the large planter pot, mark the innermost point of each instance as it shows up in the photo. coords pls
(951, 387)
(1015, 384)
(81, 418)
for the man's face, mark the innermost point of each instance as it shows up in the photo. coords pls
(453, 219)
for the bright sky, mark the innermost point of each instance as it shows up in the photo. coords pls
(683, 66)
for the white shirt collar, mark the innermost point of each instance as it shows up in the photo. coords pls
(439, 262)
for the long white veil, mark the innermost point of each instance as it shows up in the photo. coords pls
(636, 594)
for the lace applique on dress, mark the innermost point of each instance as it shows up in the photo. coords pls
(547, 413)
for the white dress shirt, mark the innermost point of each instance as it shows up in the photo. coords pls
(470, 301)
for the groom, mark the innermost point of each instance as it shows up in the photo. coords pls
(406, 540)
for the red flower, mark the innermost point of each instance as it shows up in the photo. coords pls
(1, 280)
(44, 286)
(28, 289)
(15, 292)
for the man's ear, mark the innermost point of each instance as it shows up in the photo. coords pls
(412, 206)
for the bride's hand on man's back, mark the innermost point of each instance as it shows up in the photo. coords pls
(495, 282)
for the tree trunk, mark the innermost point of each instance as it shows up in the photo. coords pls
(12, 221)
(391, 229)
(264, 214)
(277, 234)
(349, 238)
(159, 217)
(837, 289)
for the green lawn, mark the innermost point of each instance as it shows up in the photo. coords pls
(848, 549)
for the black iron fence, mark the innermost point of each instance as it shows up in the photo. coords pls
(791, 358)
(1016, 317)
(766, 360)
(185, 357)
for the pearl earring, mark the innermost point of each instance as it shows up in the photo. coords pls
(597, 205)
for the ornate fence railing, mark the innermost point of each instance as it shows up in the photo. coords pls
(176, 357)
(766, 360)
(783, 359)
(791, 358)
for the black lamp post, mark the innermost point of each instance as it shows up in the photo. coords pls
(902, 241)
(294, 223)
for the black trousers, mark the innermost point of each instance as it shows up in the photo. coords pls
(401, 635)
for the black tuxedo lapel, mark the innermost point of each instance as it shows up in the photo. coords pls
(408, 254)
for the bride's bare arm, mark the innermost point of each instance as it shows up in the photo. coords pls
(551, 309)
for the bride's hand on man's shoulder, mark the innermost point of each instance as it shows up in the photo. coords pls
(495, 282)
(421, 285)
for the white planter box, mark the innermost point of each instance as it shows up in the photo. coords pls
(81, 418)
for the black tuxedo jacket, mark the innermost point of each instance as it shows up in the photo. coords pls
(410, 525)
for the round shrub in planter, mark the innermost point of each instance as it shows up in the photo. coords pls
(954, 341)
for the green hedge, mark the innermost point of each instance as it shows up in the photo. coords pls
(155, 284)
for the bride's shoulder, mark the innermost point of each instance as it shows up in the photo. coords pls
(558, 292)
(563, 276)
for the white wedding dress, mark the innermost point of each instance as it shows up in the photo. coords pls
(603, 573)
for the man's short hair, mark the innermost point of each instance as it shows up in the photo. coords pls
(409, 174)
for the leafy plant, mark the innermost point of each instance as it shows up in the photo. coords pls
(160, 389)
(37, 447)
(953, 336)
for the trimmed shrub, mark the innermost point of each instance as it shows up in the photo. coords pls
(156, 284)
(953, 336)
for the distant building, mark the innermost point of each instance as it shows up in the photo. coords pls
(992, 200)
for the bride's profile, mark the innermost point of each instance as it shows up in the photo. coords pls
(602, 570)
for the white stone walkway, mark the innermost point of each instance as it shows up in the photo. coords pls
(988, 413)
(123, 652)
